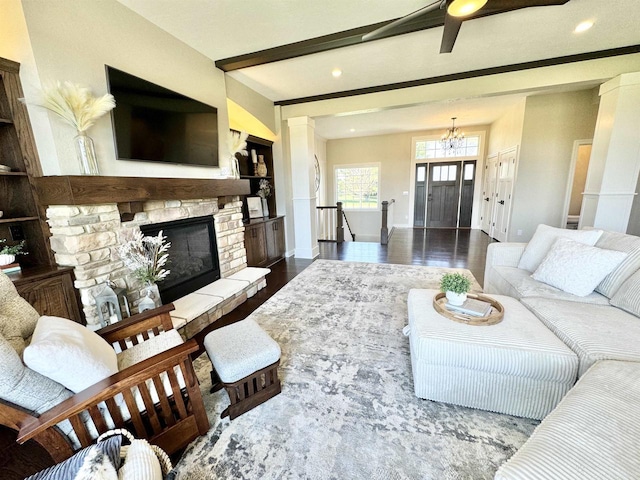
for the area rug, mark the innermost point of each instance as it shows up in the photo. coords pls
(347, 408)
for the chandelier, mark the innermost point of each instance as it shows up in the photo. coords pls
(453, 137)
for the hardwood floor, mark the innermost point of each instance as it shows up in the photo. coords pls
(452, 248)
(429, 247)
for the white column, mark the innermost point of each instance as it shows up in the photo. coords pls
(301, 142)
(615, 156)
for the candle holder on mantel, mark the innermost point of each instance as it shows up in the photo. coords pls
(254, 159)
(262, 167)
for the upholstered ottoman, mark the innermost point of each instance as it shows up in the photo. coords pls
(517, 366)
(245, 362)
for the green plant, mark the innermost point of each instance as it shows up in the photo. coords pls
(12, 249)
(455, 282)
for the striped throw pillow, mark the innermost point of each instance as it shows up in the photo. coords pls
(623, 243)
(628, 295)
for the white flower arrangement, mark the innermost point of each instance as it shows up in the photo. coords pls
(264, 189)
(75, 104)
(237, 142)
(146, 256)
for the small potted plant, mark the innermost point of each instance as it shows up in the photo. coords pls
(8, 252)
(456, 286)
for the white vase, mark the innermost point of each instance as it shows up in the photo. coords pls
(86, 152)
(7, 259)
(456, 298)
(265, 207)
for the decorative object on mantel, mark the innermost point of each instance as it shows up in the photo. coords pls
(455, 286)
(453, 137)
(110, 303)
(77, 106)
(254, 160)
(146, 256)
(237, 142)
(8, 252)
(262, 167)
(5, 168)
(264, 192)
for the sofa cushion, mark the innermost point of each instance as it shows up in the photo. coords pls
(17, 317)
(518, 283)
(576, 268)
(593, 332)
(592, 433)
(70, 353)
(544, 237)
(24, 387)
(623, 243)
(628, 295)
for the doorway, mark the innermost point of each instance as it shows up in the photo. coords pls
(444, 194)
(576, 183)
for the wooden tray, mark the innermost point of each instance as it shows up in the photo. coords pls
(440, 299)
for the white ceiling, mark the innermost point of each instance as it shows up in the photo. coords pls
(224, 28)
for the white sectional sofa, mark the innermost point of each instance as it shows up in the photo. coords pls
(593, 433)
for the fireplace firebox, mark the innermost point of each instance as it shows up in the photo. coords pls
(193, 256)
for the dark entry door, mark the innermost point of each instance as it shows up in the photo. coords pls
(443, 195)
(420, 198)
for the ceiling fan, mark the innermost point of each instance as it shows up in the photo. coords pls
(456, 12)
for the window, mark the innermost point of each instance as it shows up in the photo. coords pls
(426, 149)
(445, 173)
(357, 187)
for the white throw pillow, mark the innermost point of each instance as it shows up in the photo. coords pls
(576, 268)
(544, 237)
(69, 353)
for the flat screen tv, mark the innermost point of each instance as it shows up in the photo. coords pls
(153, 123)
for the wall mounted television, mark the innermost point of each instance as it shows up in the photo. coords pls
(152, 123)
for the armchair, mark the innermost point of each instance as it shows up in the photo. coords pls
(158, 398)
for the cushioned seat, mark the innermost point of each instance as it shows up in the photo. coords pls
(517, 283)
(245, 362)
(592, 434)
(593, 332)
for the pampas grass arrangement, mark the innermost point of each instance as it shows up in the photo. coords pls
(75, 104)
(237, 142)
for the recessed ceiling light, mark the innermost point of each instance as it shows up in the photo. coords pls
(352, 130)
(584, 26)
(336, 72)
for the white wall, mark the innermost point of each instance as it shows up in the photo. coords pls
(634, 218)
(393, 152)
(506, 132)
(73, 40)
(551, 125)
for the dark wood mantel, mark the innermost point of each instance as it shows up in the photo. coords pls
(91, 190)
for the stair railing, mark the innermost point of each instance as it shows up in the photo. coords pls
(330, 222)
(387, 212)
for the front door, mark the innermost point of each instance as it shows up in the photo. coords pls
(443, 195)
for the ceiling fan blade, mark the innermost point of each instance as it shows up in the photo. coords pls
(499, 6)
(379, 32)
(451, 29)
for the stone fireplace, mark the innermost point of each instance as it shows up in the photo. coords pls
(193, 255)
(86, 236)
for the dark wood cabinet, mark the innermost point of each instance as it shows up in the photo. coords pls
(274, 232)
(264, 241)
(255, 244)
(50, 291)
